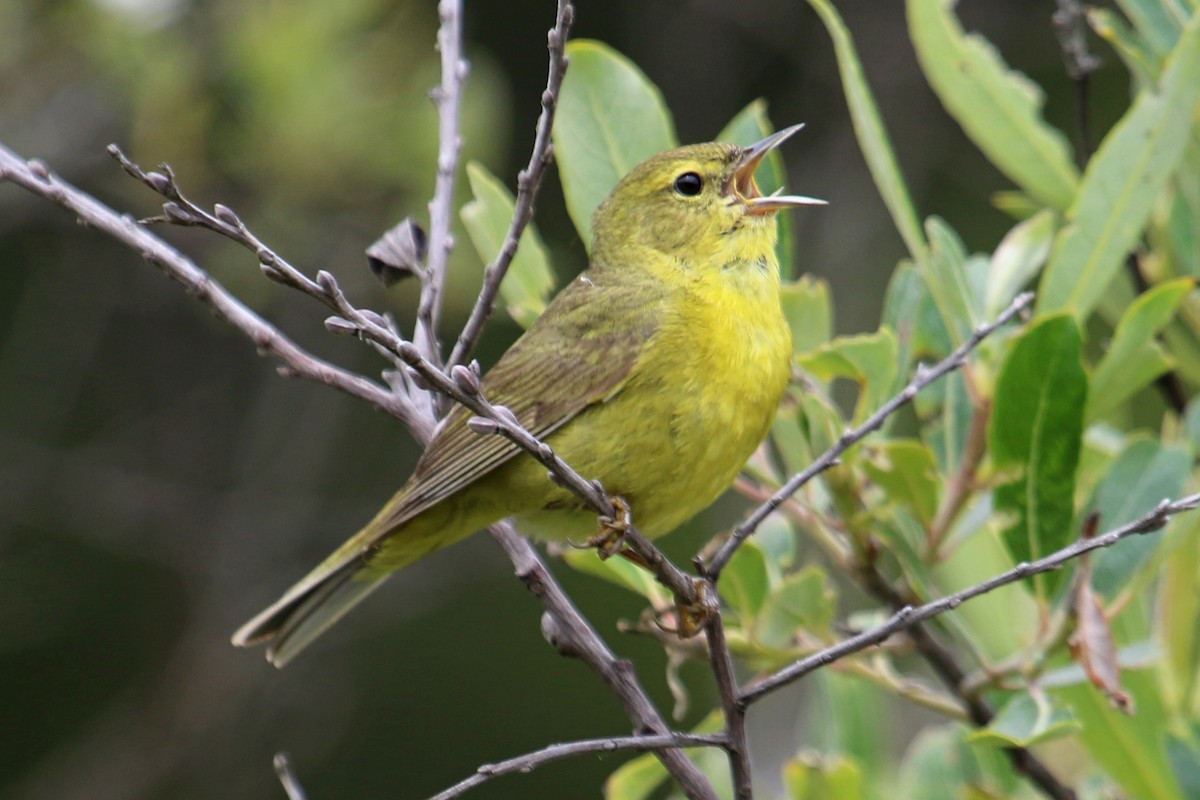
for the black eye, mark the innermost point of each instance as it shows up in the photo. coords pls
(689, 184)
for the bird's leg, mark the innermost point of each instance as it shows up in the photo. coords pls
(692, 615)
(610, 540)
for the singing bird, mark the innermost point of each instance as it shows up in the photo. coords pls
(657, 371)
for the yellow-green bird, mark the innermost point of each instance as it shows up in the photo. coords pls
(657, 371)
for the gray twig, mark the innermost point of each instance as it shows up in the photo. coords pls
(528, 182)
(287, 777)
(531, 761)
(907, 616)
(923, 378)
(447, 97)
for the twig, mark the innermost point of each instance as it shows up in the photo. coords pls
(531, 761)
(721, 662)
(441, 208)
(287, 777)
(268, 339)
(1070, 26)
(907, 616)
(529, 180)
(958, 491)
(923, 378)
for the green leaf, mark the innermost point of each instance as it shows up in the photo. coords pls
(867, 359)
(1024, 721)
(610, 118)
(804, 601)
(1122, 183)
(1133, 359)
(999, 109)
(751, 125)
(815, 777)
(1139, 58)
(1183, 218)
(1184, 754)
(809, 313)
(620, 572)
(945, 274)
(947, 434)
(1153, 21)
(745, 582)
(909, 310)
(1036, 430)
(933, 767)
(872, 136)
(1145, 473)
(1178, 621)
(1018, 257)
(529, 281)
(907, 471)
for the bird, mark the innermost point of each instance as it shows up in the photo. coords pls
(657, 371)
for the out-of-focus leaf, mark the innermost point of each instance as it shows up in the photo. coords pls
(1131, 749)
(804, 601)
(1144, 473)
(638, 778)
(872, 137)
(527, 284)
(1140, 59)
(1025, 720)
(945, 274)
(810, 776)
(745, 582)
(867, 359)
(1134, 359)
(777, 539)
(1179, 610)
(998, 108)
(1018, 257)
(1183, 218)
(809, 313)
(751, 125)
(933, 767)
(1156, 24)
(1123, 181)
(610, 118)
(1184, 754)
(907, 472)
(399, 253)
(1036, 431)
(1017, 205)
(620, 572)
(947, 408)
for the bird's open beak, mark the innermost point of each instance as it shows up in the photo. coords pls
(747, 190)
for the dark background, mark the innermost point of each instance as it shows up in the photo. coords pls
(159, 483)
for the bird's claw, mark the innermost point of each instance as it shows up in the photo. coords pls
(692, 615)
(611, 538)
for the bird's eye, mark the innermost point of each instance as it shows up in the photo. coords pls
(689, 184)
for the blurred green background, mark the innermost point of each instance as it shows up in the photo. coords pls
(159, 483)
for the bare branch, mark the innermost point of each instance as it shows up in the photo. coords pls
(908, 616)
(528, 183)
(555, 752)
(447, 97)
(721, 661)
(829, 458)
(268, 339)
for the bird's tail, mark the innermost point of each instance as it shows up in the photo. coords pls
(307, 609)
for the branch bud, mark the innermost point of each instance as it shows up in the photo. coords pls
(340, 327)
(483, 425)
(226, 215)
(466, 380)
(175, 213)
(159, 182)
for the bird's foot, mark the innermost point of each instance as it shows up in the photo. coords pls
(611, 538)
(692, 615)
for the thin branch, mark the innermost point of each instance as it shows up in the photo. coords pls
(829, 458)
(447, 97)
(962, 482)
(907, 616)
(268, 339)
(721, 661)
(287, 776)
(528, 182)
(531, 761)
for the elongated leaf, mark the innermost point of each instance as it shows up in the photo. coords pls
(872, 136)
(867, 359)
(530, 280)
(1153, 21)
(1144, 474)
(620, 572)
(750, 125)
(998, 108)
(610, 118)
(1133, 359)
(804, 601)
(744, 583)
(1122, 183)
(1140, 59)
(945, 273)
(1018, 257)
(907, 471)
(809, 312)
(1036, 431)
(1026, 720)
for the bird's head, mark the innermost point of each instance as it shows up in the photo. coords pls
(694, 202)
